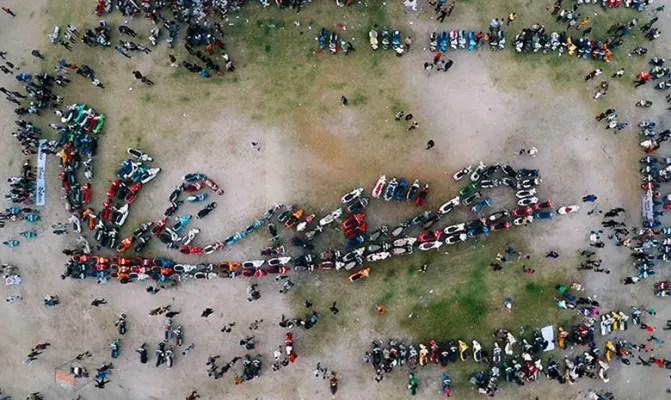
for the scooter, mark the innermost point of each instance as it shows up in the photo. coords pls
(391, 188)
(445, 385)
(323, 35)
(454, 40)
(168, 358)
(477, 351)
(181, 222)
(400, 190)
(114, 346)
(421, 198)
(333, 43)
(143, 353)
(153, 38)
(385, 40)
(459, 175)
(349, 197)
(11, 243)
(412, 192)
(463, 350)
(139, 155)
(121, 324)
(333, 383)
(568, 209)
(377, 189)
(359, 275)
(331, 217)
(433, 42)
(207, 210)
(196, 198)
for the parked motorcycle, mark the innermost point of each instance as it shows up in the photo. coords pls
(121, 324)
(372, 38)
(207, 210)
(323, 36)
(379, 185)
(114, 346)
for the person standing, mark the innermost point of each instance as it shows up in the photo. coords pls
(37, 54)
(414, 126)
(430, 144)
(443, 14)
(407, 42)
(511, 18)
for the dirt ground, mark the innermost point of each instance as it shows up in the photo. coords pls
(467, 114)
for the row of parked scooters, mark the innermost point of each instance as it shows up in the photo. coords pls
(171, 234)
(461, 40)
(387, 39)
(520, 367)
(356, 251)
(534, 39)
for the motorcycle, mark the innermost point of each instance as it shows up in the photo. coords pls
(114, 346)
(207, 210)
(426, 246)
(459, 175)
(379, 185)
(304, 224)
(372, 39)
(358, 205)
(391, 188)
(179, 336)
(143, 353)
(477, 351)
(385, 40)
(333, 383)
(496, 354)
(568, 210)
(181, 223)
(453, 40)
(53, 36)
(461, 38)
(196, 198)
(421, 198)
(412, 192)
(646, 124)
(359, 275)
(153, 38)
(443, 40)
(323, 35)
(644, 103)
(331, 217)
(400, 190)
(141, 156)
(168, 358)
(333, 43)
(351, 196)
(121, 324)
(396, 43)
(29, 234)
(433, 42)
(11, 243)
(471, 41)
(463, 350)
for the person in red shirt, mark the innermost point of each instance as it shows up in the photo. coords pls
(8, 11)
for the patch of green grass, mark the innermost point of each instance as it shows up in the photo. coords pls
(147, 98)
(359, 99)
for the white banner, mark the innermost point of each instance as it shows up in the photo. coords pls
(41, 189)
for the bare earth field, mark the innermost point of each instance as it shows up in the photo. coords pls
(312, 152)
